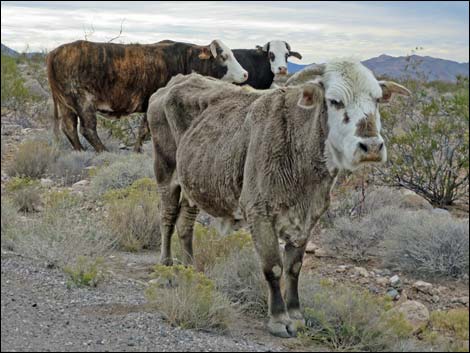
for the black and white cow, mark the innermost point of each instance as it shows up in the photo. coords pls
(264, 63)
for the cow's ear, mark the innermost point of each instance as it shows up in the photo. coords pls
(295, 54)
(389, 88)
(266, 47)
(204, 54)
(213, 47)
(311, 94)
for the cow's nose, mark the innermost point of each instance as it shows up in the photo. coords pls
(371, 148)
(283, 70)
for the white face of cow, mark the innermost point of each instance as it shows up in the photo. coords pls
(235, 72)
(352, 97)
(278, 52)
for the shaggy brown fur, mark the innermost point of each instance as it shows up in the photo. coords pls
(116, 80)
(220, 148)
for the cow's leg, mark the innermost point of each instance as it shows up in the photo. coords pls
(88, 128)
(267, 247)
(69, 122)
(293, 257)
(184, 227)
(169, 209)
(142, 134)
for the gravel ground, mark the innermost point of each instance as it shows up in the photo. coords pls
(39, 313)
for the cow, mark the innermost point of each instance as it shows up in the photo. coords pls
(264, 63)
(272, 155)
(118, 79)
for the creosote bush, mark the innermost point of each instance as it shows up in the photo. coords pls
(133, 215)
(188, 298)
(32, 159)
(85, 271)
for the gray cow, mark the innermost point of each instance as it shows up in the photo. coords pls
(271, 155)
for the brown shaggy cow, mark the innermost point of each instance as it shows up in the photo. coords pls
(118, 79)
(273, 155)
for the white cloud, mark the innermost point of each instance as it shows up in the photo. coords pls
(319, 30)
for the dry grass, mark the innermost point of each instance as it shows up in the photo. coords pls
(32, 159)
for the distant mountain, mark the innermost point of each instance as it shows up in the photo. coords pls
(435, 69)
(9, 52)
(394, 67)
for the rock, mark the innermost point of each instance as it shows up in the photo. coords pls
(319, 252)
(395, 281)
(9, 130)
(361, 271)
(383, 281)
(460, 300)
(311, 248)
(342, 268)
(80, 185)
(422, 286)
(46, 182)
(123, 146)
(393, 293)
(415, 313)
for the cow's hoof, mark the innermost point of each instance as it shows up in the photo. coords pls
(284, 328)
(166, 261)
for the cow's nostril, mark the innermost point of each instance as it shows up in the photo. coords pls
(245, 75)
(363, 147)
(381, 146)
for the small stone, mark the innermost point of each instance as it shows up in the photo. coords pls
(383, 281)
(395, 281)
(415, 313)
(321, 252)
(435, 298)
(441, 212)
(422, 286)
(361, 271)
(460, 300)
(341, 269)
(80, 185)
(393, 293)
(123, 147)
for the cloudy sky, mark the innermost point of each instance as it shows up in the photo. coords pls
(318, 30)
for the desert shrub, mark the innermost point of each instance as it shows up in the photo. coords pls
(429, 245)
(25, 193)
(13, 91)
(239, 277)
(187, 298)
(122, 173)
(85, 271)
(361, 238)
(70, 167)
(59, 199)
(59, 237)
(123, 130)
(133, 216)
(429, 143)
(209, 246)
(348, 319)
(32, 159)
(451, 323)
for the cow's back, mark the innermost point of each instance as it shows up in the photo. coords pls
(117, 76)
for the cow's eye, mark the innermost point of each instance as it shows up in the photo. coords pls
(377, 100)
(271, 56)
(224, 57)
(337, 104)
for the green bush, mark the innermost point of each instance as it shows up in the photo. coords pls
(32, 159)
(348, 319)
(188, 299)
(25, 193)
(13, 91)
(85, 271)
(133, 215)
(428, 144)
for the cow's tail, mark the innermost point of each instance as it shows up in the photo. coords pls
(54, 92)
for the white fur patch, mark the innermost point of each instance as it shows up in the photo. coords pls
(235, 72)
